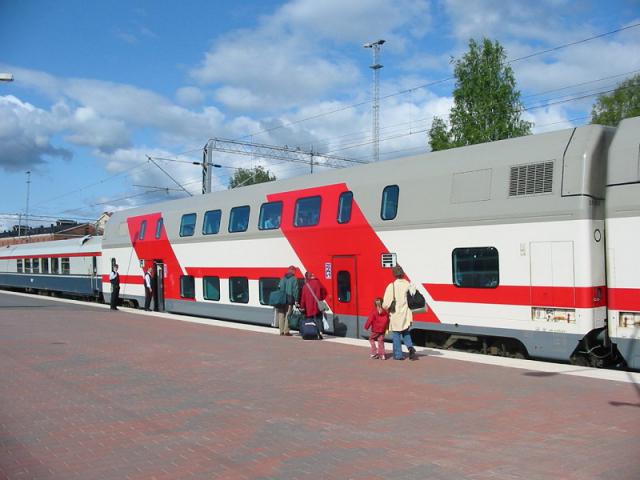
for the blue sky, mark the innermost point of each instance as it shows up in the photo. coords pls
(100, 85)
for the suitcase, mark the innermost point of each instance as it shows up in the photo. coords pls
(309, 330)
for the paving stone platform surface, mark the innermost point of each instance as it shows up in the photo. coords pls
(86, 393)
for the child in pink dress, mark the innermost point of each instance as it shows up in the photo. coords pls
(378, 321)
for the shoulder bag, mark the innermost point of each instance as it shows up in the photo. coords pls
(322, 305)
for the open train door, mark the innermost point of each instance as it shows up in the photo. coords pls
(158, 291)
(345, 295)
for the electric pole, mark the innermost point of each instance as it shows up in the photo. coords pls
(26, 215)
(375, 107)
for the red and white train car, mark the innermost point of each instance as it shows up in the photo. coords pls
(506, 240)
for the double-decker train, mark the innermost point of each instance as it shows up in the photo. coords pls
(521, 247)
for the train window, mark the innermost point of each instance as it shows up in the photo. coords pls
(266, 286)
(159, 224)
(19, 265)
(475, 267)
(389, 208)
(211, 287)
(211, 224)
(344, 207)
(35, 265)
(187, 286)
(239, 219)
(188, 224)
(307, 212)
(55, 266)
(143, 229)
(344, 286)
(45, 265)
(239, 289)
(65, 266)
(270, 215)
(27, 265)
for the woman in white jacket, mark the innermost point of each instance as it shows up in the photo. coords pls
(401, 317)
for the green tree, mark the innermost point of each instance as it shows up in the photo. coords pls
(248, 176)
(486, 103)
(623, 102)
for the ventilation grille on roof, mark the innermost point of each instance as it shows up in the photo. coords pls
(531, 179)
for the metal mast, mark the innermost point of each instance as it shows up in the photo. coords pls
(26, 215)
(375, 107)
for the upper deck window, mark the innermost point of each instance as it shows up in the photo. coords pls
(159, 224)
(344, 207)
(143, 229)
(307, 212)
(188, 224)
(211, 223)
(390, 197)
(239, 219)
(270, 216)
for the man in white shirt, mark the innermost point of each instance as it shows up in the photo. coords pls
(148, 289)
(114, 279)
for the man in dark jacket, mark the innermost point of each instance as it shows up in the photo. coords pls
(289, 285)
(114, 279)
(311, 294)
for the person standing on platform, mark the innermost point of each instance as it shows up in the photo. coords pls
(312, 293)
(114, 279)
(289, 285)
(148, 289)
(378, 321)
(395, 302)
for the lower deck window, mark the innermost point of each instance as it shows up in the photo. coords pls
(19, 265)
(66, 266)
(35, 265)
(475, 267)
(55, 265)
(45, 265)
(239, 289)
(187, 286)
(211, 288)
(266, 286)
(27, 265)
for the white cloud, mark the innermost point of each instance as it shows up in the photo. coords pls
(289, 58)
(25, 133)
(190, 96)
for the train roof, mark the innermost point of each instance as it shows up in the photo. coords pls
(86, 244)
(464, 184)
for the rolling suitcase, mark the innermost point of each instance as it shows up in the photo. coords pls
(309, 330)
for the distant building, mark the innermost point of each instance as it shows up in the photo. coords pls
(61, 230)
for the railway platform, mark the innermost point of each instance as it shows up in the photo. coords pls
(87, 393)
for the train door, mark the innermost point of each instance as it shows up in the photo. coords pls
(158, 291)
(94, 276)
(552, 274)
(345, 294)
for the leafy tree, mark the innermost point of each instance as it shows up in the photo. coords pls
(249, 176)
(623, 102)
(486, 103)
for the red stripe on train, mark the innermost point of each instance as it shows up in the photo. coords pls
(250, 273)
(624, 299)
(128, 279)
(560, 297)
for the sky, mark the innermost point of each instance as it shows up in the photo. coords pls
(101, 86)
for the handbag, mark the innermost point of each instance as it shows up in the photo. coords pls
(322, 305)
(416, 302)
(277, 298)
(325, 324)
(295, 317)
(392, 307)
